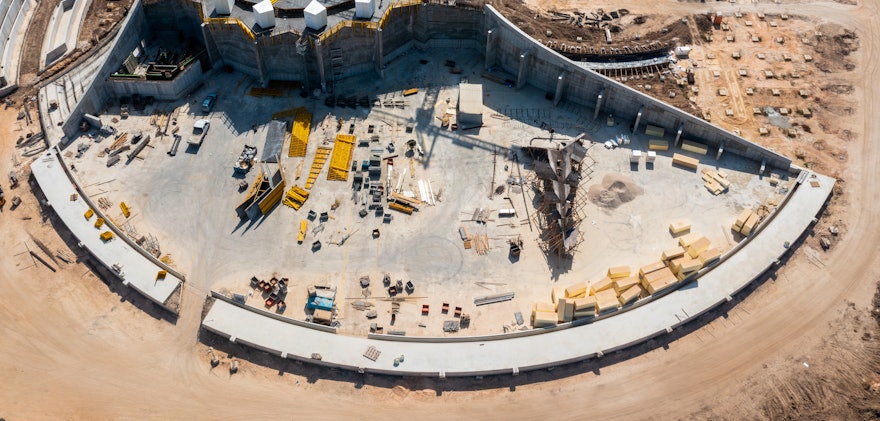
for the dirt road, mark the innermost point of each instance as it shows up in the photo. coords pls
(75, 348)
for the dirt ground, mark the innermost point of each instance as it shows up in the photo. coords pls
(800, 345)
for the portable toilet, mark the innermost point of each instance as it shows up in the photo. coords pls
(264, 14)
(363, 9)
(223, 7)
(316, 15)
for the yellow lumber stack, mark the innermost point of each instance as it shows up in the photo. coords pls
(296, 197)
(618, 272)
(629, 295)
(659, 280)
(654, 131)
(89, 213)
(601, 285)
(699, 246)
(746, 222)
(673, 253)
(557, 293)
(340, 161)
(576, 291)
(320, 157)
(606, 301)
(653, 267)
(544, 319)
(106, 235)
(410, 91)
(695, 147)
(685, 161)
(688, 239)
(564, 310)
(658, 145)
(624, 284)
(400, 207)
(679, 227)
(710, 256)
(125, 210)
(299, 134)
(543, 307)
(303, 226)
(99, 222)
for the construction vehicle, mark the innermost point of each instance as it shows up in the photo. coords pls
(303, 226)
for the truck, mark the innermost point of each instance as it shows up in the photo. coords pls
(200, 129)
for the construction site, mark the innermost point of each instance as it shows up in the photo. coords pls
(440, 190)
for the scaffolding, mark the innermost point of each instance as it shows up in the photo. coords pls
(561, 173)
(299, 134)
(317, 164)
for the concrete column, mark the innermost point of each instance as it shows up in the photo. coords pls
(261, 69)
(210, 47)
(599, 103)
(720, 151)
(678, 134)
(523, 67)
(490, 51)
(380, 54)
(638, 119)
(319, 59)
(560, 88)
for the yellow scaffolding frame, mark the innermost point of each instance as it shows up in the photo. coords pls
(299, 134)
(340, 161)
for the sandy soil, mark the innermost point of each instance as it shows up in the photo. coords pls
(801, 345)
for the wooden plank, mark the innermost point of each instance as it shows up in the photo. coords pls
(688, 239)
(630, 295)
(544, 319)
(742, 218)
(624, 284)
(673, 253)
(653, 267)
(710, 256)
(750, 224)
(586, 303)
(606, 300)
(654, 131)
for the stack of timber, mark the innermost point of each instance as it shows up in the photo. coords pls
(658, 145)
(746, 222)
(695, 147)
(654, 131)
(481, 244)
(685, 161)
(320, 157)
(716, 182)
(679, 227)
(340, 161)
(299, 134)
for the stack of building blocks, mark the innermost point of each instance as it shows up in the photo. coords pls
(695, 147)
(299, 134)
(679, 227)
(685, 161)
(688, 239)
(340, 161)
(710, 256)
(658, 145)
(89, 213)
(544, 319)
(556, 294)
(320, 157)
(657, 281)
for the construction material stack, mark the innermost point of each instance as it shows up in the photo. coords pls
(317, 164)
(716, 182)
(340, 161)
(296, 197)
(299, 134)
(746, 222)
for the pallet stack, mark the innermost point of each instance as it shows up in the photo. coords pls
(296, 197)
(716, 182)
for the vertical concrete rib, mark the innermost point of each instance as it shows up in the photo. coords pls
(560, 89)
(638, 119)
(599, 103)
(380, 54)
(523, 69)
(261, 67)
(490, 50)
(678, 134)
(319, 57)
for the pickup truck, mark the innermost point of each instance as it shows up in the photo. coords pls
(200, 129)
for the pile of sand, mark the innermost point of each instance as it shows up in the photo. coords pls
(614, 191)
